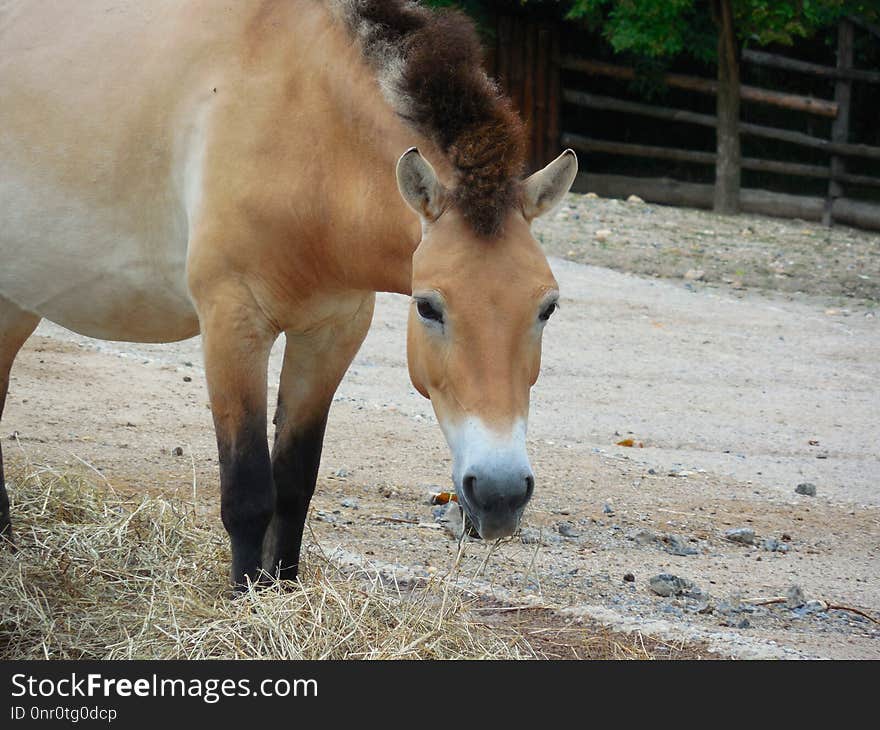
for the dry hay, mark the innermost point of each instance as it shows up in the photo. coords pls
(99, 575)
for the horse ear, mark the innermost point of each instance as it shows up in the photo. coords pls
(419, 185)
(543, 190)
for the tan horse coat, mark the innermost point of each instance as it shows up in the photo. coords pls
(169, 168)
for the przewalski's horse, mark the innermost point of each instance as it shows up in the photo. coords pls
(176, 167)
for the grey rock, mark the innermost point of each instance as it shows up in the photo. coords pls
(772, 545)
(810, 608)
(178, 451)
(350, 503)
(725, 608)
(744, 624)
(666, 584)
(742, 535)
(342, 473)
(608, 509)
(566, 529)
(628, 577)
(644, 537)
(677, 545)
(807, 489)
(795, 597)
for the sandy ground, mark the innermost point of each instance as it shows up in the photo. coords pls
(737, 397)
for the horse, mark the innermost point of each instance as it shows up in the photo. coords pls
(242, 170)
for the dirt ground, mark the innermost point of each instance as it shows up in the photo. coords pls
(733, 395)
(772, 254)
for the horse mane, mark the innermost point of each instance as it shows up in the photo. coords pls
(429, 67)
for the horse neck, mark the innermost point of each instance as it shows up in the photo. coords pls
(368, 233)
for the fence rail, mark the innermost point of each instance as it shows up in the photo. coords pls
(527, 61)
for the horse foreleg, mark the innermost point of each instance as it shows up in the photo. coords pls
(237, 340)
(314, 364)
(15, 327)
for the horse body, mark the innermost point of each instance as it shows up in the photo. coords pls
(227, 168)
(115, 154)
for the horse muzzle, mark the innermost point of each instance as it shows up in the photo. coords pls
(494, 502)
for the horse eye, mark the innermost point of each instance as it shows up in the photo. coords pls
(429, 311)
(548, 310)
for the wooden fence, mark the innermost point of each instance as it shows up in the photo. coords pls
(526, 59)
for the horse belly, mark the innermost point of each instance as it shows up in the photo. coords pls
(80, 267)
(99, 154)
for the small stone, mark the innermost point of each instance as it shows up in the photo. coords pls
(602, 234)
(695, 275)
(742, 535)
(744, 624)
(815, 606)
(177, 451)
(342, 473)
(591, 196)
(566, 529)
(629, 578)
(794, 597)
(644, 537)
(677, 545)
(807, 489)
(772, 545)
(350, 503)
(187, 379)
(634, 199)
(608, 509)
(188, 364)
(666, 584)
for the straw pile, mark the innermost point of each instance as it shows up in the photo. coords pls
(99, 576)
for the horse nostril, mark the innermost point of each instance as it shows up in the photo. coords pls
(468, 485)
(530, 487)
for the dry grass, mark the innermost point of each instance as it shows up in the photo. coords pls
(98, 575)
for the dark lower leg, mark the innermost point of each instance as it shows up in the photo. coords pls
(15, 327)
(247, 499)
(295, 460)
(5, 523)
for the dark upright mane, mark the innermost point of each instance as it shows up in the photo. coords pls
(429, 65)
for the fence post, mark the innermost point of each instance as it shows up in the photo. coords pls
(840, 125)
(553, 133)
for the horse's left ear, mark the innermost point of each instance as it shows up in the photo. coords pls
(545, 188)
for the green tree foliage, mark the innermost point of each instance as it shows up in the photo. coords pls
(668, 28)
